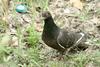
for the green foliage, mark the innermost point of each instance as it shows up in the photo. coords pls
(84, 58)
(19, 56)
(4, 8)
(96, 58)
(56, 64)
(33, 37)
(33, 55)
(95, 41)
(23, 56)
(4, 51)
(81, 59)
(3, 26)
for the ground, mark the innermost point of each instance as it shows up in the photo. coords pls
(20, 34)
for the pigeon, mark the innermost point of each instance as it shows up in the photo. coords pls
(60, 39)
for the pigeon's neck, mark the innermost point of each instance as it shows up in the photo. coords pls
(50, 28)
(50, 25)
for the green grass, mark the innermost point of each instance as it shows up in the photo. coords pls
(22, 55)
(33, 37)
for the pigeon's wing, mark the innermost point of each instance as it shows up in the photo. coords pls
(67, 39)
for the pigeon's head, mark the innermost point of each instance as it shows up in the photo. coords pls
(46, 14)
(43, 14)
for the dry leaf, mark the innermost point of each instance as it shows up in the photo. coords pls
(14, 42)
(5, 40)
(77, 3)
(90, 64)
(38, 27)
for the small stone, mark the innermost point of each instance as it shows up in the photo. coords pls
(21, 8)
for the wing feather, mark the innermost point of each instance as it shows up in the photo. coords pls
(67, 39)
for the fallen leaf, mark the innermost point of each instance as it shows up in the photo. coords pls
(38, 25)
(5, 40)
(77, 3)
(90, 64)
(14, 42)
